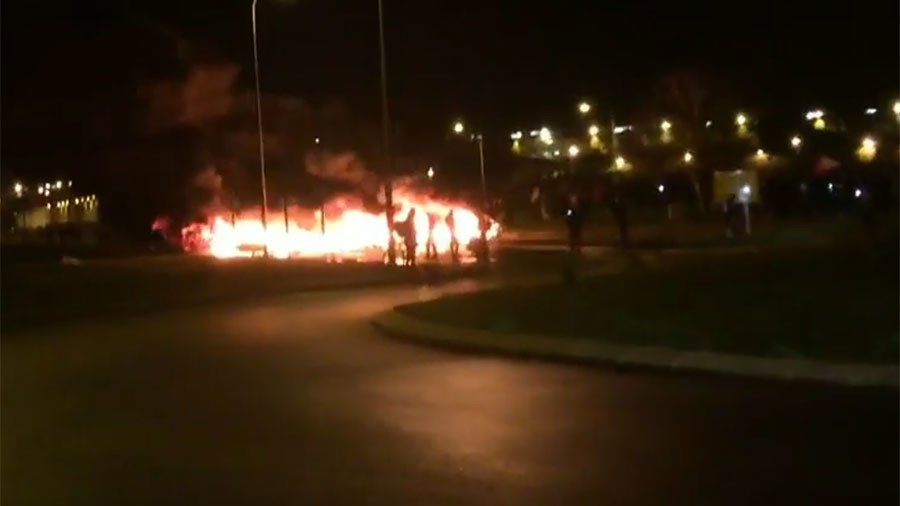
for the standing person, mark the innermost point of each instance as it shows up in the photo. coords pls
(454, 242)
(731, 212)
(430, 249)
(574, 224)
(409, 238)
(620, 215)
(483, 253)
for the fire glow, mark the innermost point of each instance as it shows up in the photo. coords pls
(349, 230)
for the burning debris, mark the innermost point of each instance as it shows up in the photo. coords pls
(348, 230)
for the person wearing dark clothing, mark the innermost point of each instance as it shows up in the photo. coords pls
(454, 243)
(408, 232)
(574, 224)
(620, 215)
(430, 249)
(731, 216)
(484, 224)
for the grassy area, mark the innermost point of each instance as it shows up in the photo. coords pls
(711, 233)
(836, 303)
(49, 292)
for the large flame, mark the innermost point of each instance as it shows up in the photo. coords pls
(349, 230)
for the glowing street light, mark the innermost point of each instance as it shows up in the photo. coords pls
(430, 172)
(661, 188)
(688, 157)
(857, 193)
(584, 107)
(18, 189)
(867, 149)
(814, 114)
(897, 107)
(317, 140)
(458, 127)
(740, 120)
(546, 135)
(573, 151)
(593, 130)
(665, 125)
(40, 190)
(761, 155)
(871, 110)
(796, 141)
(516, 135)
(621, 163)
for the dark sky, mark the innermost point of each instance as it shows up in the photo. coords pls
(503, 63)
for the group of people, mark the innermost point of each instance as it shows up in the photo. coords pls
(406, 229)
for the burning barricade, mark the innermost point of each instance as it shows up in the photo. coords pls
(346, 230)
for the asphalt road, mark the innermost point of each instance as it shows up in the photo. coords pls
(296, 400)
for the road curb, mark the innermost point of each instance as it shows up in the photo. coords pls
(397, 324)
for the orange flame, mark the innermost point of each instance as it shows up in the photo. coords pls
(349, 231)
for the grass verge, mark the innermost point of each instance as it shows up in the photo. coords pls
(836, 303)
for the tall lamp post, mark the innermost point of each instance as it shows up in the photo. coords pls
(386, 141)
(458, 129)
(262, 155)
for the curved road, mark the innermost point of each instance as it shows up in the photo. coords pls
(296, 400)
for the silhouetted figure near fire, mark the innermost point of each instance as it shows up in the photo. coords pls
(574, 224)
(407, 230)
(454, 243)
(620, 215)
(430, 248)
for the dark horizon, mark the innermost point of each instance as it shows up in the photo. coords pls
(503, 65)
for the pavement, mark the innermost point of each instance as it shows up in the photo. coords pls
(295, 399)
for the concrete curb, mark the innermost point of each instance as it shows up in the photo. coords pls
(397, 324)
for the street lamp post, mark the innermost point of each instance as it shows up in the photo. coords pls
(386, 141)
(262, 155)
(459, 128)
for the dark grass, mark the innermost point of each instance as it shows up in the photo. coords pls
(38, 294)
(838, 303)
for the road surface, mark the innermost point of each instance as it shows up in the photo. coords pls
(297, 400)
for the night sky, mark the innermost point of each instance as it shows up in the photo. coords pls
(503, 64)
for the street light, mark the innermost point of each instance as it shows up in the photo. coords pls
(593, 130)
(814, 114)
(516, 135)
(259, 125)
(584, 108)
(430, 172)
(796, 141)
(546, 136)
(867, 149)
(665, 126)
(459, 128)
(688, 157)
(621, 163)
(573, 151)
(18, 189)
(897, 107)
(871, 110)
(740, 119)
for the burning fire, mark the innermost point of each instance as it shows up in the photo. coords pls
(347, 231)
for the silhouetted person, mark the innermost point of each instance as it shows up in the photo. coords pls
(409, 237)
(484, 224)
(620, 215)
(454, 243)
(574, 224)
(731, 216)
(430, 249)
